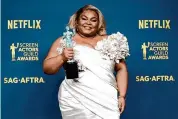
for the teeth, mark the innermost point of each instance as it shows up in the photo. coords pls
(87, 27)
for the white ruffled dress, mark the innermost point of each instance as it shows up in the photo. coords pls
(94, 94)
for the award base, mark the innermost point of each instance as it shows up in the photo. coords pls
(71, 68)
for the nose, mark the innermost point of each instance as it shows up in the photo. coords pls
(88, 22)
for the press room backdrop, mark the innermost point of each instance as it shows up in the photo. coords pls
(29, 27)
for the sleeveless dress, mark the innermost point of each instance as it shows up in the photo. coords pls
(94, 94)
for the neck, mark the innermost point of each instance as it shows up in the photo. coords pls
(87, 37)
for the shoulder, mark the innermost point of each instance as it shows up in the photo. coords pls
(53, 51)
(104, 36)
(57, 41)
(101, 37)
(56, 44)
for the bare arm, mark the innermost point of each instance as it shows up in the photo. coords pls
(53, 62)
(122, 77)
(122, 82)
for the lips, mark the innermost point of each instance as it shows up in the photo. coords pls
(88, 27)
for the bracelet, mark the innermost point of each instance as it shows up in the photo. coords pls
(121, 96)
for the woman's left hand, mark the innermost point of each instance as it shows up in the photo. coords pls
(121, 102)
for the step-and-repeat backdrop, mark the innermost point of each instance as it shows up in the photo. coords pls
(29, 27)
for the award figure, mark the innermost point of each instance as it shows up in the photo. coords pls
(71, 67)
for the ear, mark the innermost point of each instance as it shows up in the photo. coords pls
(76, 23)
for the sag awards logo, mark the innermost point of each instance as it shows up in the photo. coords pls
(24, 52)
(155, 51)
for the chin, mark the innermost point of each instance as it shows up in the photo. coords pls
(89, 33)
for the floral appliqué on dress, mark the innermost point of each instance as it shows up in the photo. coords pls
(114, 47)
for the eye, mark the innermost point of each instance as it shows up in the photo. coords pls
(94, 20)
(83, 18)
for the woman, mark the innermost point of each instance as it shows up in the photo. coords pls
(94, 94)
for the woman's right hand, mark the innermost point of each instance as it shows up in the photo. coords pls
(68, 53)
